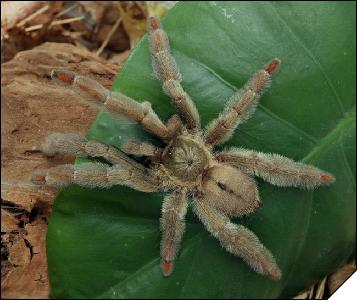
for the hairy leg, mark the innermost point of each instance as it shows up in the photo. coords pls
(173, 226)
(166, 69)
(115, 102)
(237, 239)
(174, 125)
(276, 169)
(75, 144)
(174, 211)
(94, 175)
(240, 106)
(141, 148)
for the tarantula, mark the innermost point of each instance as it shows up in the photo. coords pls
(220, 184)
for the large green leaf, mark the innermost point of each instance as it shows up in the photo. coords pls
(105, 243)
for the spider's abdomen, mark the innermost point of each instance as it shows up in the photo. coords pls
(230, 190)
(185, 160)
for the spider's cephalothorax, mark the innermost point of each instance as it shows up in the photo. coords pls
(184, 160)
(220, 183)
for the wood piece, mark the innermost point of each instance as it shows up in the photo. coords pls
(32, 106)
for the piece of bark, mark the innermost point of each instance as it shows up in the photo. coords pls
(32, 106)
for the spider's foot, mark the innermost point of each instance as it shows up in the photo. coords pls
(327, 179)
(167, 267)
(273, 66)
(59, 176)
(38, 178)
(275, 273)
(154, 23)
(63, 77)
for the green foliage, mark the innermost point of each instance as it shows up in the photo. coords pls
(105, 243)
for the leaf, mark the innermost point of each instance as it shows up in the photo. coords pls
(105, 243)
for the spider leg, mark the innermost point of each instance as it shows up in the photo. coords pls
(174, 124)
(95, 175)
(141, 148)
(75, 144)
(115, 102)
(237, 239)
(174, 211)
(166, 69)
(240, 106)
(276, 169)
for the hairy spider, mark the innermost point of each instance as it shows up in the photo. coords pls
(220, 184)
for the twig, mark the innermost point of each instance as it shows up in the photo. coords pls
(106, 41)
(67, 10)
(33, 15)
(74, 35)
(143, 7)
(59, 22)
(320, 289)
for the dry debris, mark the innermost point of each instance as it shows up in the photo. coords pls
(329, 284)
(103, 27)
